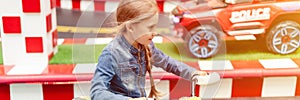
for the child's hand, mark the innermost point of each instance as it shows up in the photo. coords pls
(201, 73)
(203, 78)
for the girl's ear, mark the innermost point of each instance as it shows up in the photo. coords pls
(128, 27)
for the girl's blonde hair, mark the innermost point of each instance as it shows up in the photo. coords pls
(153, 91)
(134, 11)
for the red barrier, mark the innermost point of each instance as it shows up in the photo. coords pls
(237, 73)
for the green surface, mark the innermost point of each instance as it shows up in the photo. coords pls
(253, 50)
(68, 54)
(241, 50)
(235, 50)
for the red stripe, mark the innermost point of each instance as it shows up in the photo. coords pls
(2, 70)
(76, 4)
(99, 5)
(197, 91)
(239, 73)
(44, 78)
(64, 73)
(297, 61)
(58, 91)
(49, 22)
(164, 76)
(242, 64)
(60, 69)
(297, 93)
(180, 88)
(57, 3)
(52, 3)
(60, 75)
(4, 92)
(5, 69)
(160, 5)
(74, 41)
(50, 56)
(193, 64)
(282, 72)
(54, 38)
(247, 87)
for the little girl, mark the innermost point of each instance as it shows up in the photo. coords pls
(122, 66)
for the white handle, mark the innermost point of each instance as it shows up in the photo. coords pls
(211, 78)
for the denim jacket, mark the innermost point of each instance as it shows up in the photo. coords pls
(120, 73)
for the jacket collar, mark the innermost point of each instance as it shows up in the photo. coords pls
(126, 44)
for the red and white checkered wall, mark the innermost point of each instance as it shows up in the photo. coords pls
(28, 31)
(236, 82)
(109, 5)
(173, 89)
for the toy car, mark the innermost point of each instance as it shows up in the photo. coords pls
(204, 24)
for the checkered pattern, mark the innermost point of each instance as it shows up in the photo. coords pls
(261, 78)
(109, 5)
(28, 31)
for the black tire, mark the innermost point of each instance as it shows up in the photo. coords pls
(203, 41)
(283, 37)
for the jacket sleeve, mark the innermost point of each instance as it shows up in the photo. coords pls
(101, 80)
(159, 59)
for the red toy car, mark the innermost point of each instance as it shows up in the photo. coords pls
(204, 24)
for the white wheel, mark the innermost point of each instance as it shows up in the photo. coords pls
(284, 38)
(204, 42)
